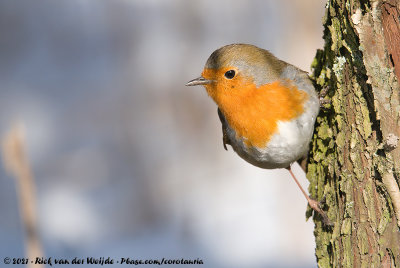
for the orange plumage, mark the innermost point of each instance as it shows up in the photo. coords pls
(253, 112)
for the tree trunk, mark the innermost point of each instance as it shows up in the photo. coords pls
(354, 164)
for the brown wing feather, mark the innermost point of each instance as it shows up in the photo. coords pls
(225, 139)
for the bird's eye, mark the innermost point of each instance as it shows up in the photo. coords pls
(230, 74)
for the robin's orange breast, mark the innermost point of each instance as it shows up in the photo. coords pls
(253, 112)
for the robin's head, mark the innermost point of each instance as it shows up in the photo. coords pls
(232, 68)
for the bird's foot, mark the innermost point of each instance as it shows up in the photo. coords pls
(315, 205)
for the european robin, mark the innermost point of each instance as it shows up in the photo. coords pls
(267, 107)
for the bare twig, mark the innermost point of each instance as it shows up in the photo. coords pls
(17, 164)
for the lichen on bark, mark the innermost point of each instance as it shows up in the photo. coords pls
(348, 158)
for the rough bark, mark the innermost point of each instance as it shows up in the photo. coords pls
(354, 159)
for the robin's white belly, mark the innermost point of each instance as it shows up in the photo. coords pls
(290, 143)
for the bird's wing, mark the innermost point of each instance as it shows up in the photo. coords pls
(225, 139)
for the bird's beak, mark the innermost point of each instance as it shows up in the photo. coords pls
(198, 81)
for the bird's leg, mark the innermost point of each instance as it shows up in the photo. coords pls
(311, 202)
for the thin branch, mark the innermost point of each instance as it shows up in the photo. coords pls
(17, 164)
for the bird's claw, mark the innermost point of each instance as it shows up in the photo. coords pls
(315, 205)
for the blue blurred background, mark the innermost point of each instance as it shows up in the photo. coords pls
(128, 162)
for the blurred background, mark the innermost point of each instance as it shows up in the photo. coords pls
(128, 162)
